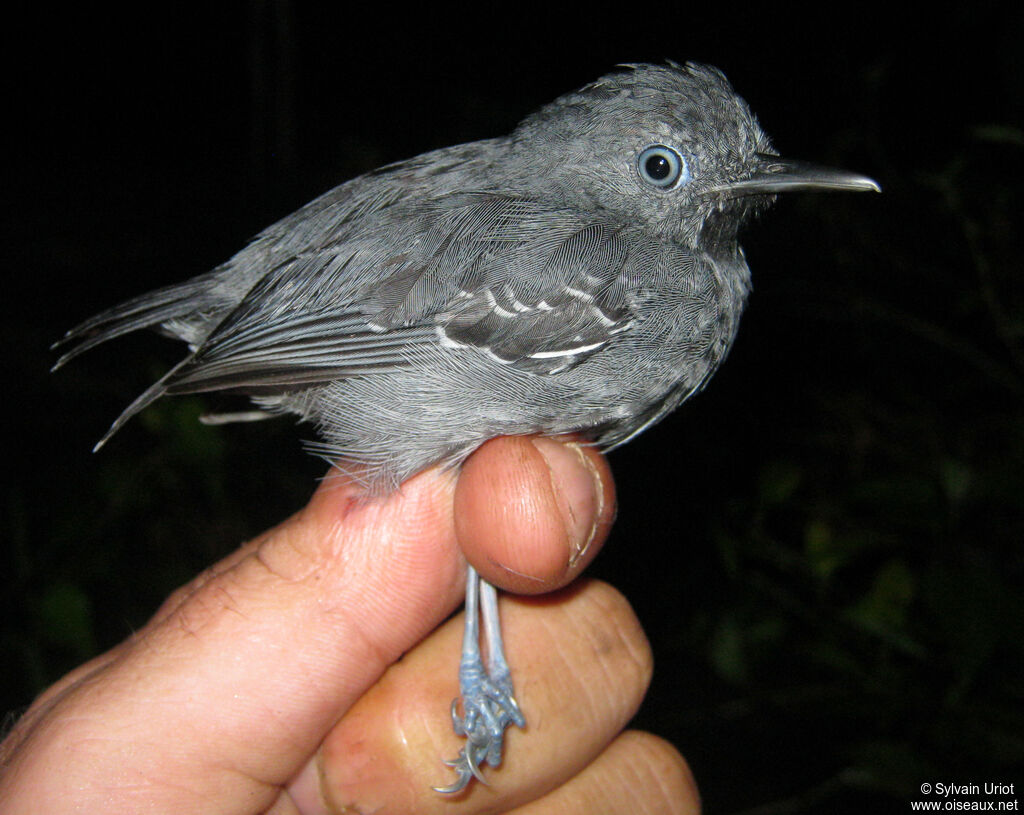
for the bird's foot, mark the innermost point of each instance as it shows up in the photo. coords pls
(488, 708)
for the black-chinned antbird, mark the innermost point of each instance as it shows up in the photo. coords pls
(580, 275)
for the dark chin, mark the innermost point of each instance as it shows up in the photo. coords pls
(722, 225)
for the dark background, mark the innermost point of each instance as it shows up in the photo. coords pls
(825, 547)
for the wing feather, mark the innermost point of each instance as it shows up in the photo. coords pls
(532, 287)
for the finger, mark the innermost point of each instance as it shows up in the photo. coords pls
(168, 607)
(563, 502)
(252, 663)
(581, 666)
(224, 698)
(637, 774)
(531, 512)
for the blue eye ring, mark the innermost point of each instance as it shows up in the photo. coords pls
(662, 167)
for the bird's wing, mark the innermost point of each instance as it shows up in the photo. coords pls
(189, 311)
(533, 287)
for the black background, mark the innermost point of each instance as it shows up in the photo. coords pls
(824, 547)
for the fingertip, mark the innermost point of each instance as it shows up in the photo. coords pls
(584, 491)
(531, 512)
(662, 769)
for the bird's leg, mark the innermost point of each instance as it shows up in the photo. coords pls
(498, 671)
(488, 706)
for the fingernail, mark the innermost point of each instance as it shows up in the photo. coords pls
(578, 491)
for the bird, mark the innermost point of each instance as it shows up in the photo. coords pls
(582, 274)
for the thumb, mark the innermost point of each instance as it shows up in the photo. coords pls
(531, 511)
(218, 701)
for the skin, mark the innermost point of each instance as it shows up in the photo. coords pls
(306, 672)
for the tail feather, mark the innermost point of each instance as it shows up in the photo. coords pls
(144, 400)
(145, 311)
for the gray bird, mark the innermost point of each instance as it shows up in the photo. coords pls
(581, 275)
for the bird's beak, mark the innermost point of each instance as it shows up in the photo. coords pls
(782, 175)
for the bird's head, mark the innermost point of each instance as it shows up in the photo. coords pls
(672, 149)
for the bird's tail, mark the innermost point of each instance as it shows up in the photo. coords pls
(194, 300)
(146, 311)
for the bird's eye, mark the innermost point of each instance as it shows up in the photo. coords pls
(662, 167)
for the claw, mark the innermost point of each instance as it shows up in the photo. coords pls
(472, 762)
(459, 784)
(458, 723)
(467, 765)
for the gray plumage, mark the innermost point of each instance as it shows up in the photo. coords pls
(579, 275)
(531, 283)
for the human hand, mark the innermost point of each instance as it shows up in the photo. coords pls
(276, 682)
